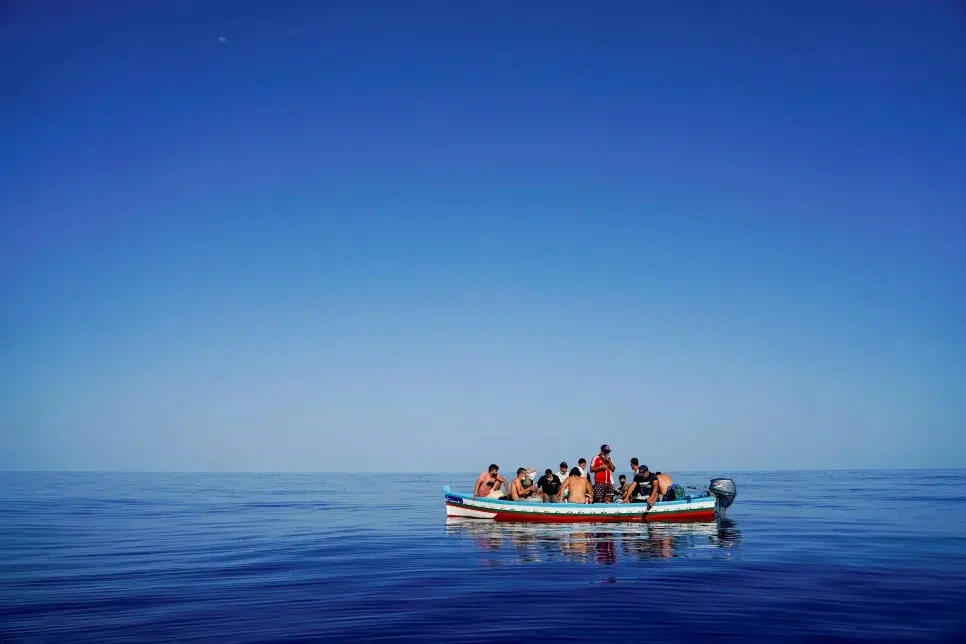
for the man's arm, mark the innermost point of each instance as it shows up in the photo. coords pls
(628, 495)
(598, 468)
(563, 488)
(651, 500)
(500, 481)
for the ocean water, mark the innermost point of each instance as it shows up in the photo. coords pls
(802, 556)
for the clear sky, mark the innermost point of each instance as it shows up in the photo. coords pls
(419, 236)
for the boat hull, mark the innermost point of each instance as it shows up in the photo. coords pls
(702, 508)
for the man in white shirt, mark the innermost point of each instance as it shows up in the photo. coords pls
(582, 466)
(563, 473)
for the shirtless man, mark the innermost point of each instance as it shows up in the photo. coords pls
(522, 487)
(489, 483)
(579, 488)
(658, 483)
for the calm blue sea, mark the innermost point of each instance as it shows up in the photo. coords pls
(848, 556)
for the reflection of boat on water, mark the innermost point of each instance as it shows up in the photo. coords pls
(706, 506)
(602, 543)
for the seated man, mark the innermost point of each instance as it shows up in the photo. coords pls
(578, 487)
(489, 483)
(522, 488)
(549, 486)
(622, 486)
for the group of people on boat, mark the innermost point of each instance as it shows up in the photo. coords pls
(579, 484)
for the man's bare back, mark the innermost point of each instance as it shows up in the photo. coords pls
(663, 483)
(580, 489)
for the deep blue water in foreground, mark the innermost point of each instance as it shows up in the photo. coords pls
(258, 557)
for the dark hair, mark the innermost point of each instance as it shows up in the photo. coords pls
(621, 478)
(549, 471)
(574, 471)
(521, 470)
(563, 464)
(583, 460)
(493, 467)
(634, 461)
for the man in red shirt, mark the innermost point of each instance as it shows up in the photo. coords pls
(601, 467)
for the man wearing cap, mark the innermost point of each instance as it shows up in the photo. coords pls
(640, 488)
(601, 467)
(649, 487)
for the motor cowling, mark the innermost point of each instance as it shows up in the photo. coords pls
(724, 490)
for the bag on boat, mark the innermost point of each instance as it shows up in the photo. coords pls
(674, 493)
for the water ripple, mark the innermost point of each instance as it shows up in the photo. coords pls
(173, 557)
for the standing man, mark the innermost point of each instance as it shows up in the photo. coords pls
(634, 465)
(602, 466)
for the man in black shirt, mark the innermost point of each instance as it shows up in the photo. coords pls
(650, 488)
(549, 486)
(643, 484)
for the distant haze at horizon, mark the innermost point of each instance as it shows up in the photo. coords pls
(427, 237)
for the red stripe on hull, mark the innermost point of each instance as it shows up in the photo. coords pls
(682, 517)
(676, 517)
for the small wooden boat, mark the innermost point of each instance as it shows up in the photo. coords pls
(706, 506)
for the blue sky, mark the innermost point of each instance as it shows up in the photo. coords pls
(427, 236)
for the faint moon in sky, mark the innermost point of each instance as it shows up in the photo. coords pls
(222, 39)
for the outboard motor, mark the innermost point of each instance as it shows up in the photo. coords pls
(724, 490)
